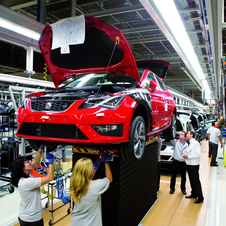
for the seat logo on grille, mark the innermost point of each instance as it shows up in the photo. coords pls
(48, 105)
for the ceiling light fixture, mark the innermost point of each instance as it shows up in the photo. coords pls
(19, 29)
(178, 95)
(166, 16)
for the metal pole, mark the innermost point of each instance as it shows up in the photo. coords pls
(29, 60)
(13, 99)
(73, 7)
(41, 11)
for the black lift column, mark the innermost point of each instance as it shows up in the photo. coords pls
(133, 190)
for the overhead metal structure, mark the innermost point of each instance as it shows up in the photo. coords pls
(215, 22)
(202, 20)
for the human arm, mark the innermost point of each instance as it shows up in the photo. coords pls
(95, 168)
(49, 177)
(37, 157)
(220, 140)
(185, 156)
(208, 133)
(108, 171)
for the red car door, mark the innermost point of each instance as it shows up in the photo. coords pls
(168, 101)
(157, 100)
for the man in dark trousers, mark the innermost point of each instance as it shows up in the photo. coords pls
(208, 133)
(214, 135)
(192, 159)
(179, 146)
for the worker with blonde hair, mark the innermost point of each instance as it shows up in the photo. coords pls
(86, 193)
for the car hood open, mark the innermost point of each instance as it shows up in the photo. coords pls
(104, 49)
(159, 67)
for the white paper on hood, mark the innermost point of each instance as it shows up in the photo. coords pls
(70, 31)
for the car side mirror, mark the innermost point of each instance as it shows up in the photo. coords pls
(153, 84)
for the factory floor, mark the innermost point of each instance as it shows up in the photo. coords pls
(168, 210)
(176, 210)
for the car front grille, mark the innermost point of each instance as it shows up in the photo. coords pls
(56, 105)
(63, 131)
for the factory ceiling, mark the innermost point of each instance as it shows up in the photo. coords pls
(146, 39)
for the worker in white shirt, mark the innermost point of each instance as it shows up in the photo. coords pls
(192, 159)
(208, 133)
(214, 135)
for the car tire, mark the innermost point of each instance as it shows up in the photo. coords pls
(134, 149)
(170, 132)
(36, 144)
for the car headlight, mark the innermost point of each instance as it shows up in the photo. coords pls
(115, 130)
(107, 102)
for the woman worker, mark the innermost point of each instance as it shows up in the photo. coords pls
(30, 212)
(86, 193)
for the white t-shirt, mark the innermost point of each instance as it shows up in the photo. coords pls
(30, 205)
(214, 134)
(209, 130)
(87, 212)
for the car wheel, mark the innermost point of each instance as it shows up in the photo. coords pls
(170, 132)
(134, 149)
(36, 144)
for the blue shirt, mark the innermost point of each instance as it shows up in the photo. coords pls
(182, 144)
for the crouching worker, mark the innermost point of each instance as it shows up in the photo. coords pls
(86, 193)
(30, 212)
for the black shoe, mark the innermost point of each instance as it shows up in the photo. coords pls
(190, 196)
(172, 191)
(199, 201)
(214, 165)
(184, 192)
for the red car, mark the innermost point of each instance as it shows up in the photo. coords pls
(108, 101)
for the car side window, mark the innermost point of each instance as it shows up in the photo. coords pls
(161, 84)
(141, 73)
(150, 77)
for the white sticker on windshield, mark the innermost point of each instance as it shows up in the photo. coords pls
(67, 32)
(64, 49)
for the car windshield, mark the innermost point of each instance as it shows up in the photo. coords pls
(100, 79)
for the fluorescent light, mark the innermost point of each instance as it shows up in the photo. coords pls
(205, 84)
(171, 16)
(19, 29)
(175, 94)
(166, 16)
